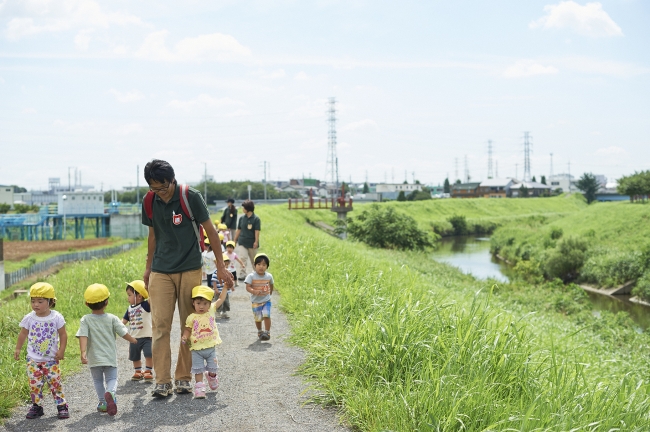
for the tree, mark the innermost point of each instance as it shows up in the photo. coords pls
(589, 186)
(366, 188)
(4, 208)
(523, 192)
(534, 179)
(458, 181)
(635, 185)
(446, 188)
(543, 181)
(401, 196)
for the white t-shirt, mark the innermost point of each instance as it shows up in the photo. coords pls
(43, 337)
(139, 318)
(208, 262)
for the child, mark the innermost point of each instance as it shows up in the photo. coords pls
(138, 316)
(201, 330)
(230, 251)
(260, 285)
(222, 228)
(223, 310)
(97, 345)
(209, 263)
(44, 330)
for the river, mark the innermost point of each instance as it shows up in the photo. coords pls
(472, 255)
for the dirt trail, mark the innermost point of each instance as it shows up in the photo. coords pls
(258, 391)
(19, 250)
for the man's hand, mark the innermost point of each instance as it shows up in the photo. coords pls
(145, 278)
(256, 245)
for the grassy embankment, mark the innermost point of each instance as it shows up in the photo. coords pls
(606, 244)
(69, 284)
(415, 349)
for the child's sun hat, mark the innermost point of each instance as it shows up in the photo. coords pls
(42, 290)
(268, 261)
(222, 226)
(202, 292)
(221, 236)
(225, 257)
(230, 243)
(138, 286)
(96, 293)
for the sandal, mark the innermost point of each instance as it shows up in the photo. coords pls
(259, 334)
(266, 335)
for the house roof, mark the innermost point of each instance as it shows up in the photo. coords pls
(466, 186)
(530, 185)
(496, 182)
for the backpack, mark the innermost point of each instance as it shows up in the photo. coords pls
(185, 205)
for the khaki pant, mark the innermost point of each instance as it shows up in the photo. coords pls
(165, 290)
(248, 256)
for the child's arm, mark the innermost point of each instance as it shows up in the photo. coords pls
(271, 285)
(130, 338)
(256, 292)
(83, 344)
(186, 334)
(22, 336)
(241, 263)
(124, 321)
(63, 343)
(222, 298)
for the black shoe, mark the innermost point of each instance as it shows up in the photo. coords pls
(183, 387)
(35, 411)
(162, 390)
(63, 411)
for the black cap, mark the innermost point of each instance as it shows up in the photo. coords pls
(230, 200)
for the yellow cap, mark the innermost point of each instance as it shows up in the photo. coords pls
(206, 241)
(225, 257)
(221, 236)
(264, 255)
(96, 293)
(202, 291)
(230, 243)
(222, 226)
(43, 290)
(138, 286)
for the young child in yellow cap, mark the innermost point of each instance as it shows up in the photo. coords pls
(217, 285)
(222, 228)
(44, 330)
(138, 318)
(260, 286)
(201, 331)
(97, 345)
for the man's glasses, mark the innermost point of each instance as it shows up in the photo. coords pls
(160, 189)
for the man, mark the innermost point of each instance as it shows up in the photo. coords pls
(229, 217)
(247, 237)
(173, 268)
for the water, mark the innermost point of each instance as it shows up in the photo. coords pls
(472, 255)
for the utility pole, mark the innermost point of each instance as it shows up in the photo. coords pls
(332, 164)
(497, 168)
(456, 164)
(527, 150)
(466, 171)
(551, 175)
(265, 180)
(489, 159)
(516, 170)
(137, 184)
(392, 175)
(413, 173)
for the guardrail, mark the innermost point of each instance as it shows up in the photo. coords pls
(18, 275)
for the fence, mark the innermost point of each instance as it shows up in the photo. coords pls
(18, 275)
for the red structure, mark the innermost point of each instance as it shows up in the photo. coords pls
(339, 204)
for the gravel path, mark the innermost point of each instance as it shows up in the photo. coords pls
(258, 389)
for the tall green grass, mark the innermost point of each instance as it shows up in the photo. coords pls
(400, 350)
(70, 284)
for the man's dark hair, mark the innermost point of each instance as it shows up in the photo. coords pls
(159, 171)
(97, 306)
(248, 205)
(230, 200)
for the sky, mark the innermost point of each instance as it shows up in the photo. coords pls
(225, 86)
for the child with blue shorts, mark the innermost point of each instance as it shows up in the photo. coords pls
(260, 285)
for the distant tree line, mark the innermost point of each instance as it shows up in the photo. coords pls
(636, 185)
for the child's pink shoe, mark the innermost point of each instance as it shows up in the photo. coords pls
(213, 381)
(199, 391)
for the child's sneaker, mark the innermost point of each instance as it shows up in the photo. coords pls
(213, 381)
(137, 376)
(63, 411)
(199, 391)
(35, 411)
(111, 405)
(266, 335)
(101, 407)
(147, 375)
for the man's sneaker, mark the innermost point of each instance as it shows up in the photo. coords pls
(162, 390)
(137, 376)
(63, 411)
(111, 405)
(35, 411)
(199, 391)
(213, 381)
(183, 387)
(101, 407)
(147, 375)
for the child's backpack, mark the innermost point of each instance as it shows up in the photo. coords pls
(185, 205)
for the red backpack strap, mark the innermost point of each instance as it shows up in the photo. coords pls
(185, 205)
(148, 204)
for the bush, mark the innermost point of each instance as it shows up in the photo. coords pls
(383, 227)
(4, 208)
(642, 288)
(459, 223)
(529, 271)
(566, 260)
(611, 268)
(556, 233)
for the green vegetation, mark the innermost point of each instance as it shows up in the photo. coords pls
(4, 208)
(589, 186)
(69, 284)
(636, 185)
(416, 348)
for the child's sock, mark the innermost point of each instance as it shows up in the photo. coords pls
(150, 369)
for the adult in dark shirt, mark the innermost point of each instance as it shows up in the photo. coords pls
(247, 237)
(173, 268)
(229, 217)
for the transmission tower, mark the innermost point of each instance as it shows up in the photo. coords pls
(332, 161)
(551, 175)
(489, 159)
(527, 150)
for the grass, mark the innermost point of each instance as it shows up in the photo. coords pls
(69, 284)
(402, 348)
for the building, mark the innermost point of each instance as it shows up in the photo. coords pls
(496, 188)
(7, 195)
(565, 182)
(534, 189)
(465, 190)
(78, 203)
(391, 191)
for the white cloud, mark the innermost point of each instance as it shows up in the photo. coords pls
(82, 40)
(29, 111)
(203, 100)
(125, 97)
(588, 20)
(42, 16)
(610, 151)
(129, 129)
(215, 46)
(301, 76)
(524, 68)
(361, 124)
(276, 74)
(603, 67)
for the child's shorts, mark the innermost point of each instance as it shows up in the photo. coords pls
(261, 311)
(143, 346)
(204, 360)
